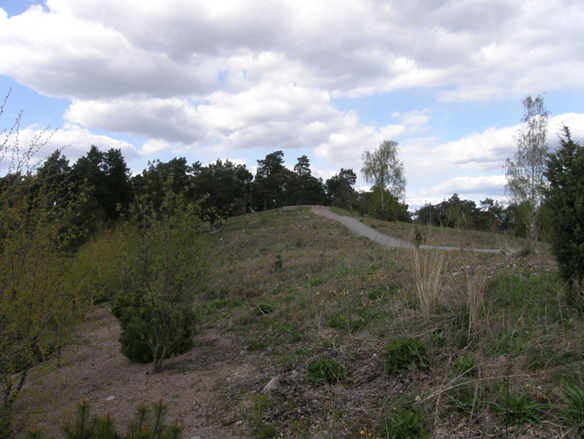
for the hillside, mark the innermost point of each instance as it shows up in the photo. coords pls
(365, 341)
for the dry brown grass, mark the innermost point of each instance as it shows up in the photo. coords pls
(428, 277)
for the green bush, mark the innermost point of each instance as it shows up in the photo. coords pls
(162, 277)
(326, 371)
(138, 338)
(565, 202)
(405, 353)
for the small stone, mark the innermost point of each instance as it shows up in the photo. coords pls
(239, 422)
(196, 437)
(110, 398)
(272, 385)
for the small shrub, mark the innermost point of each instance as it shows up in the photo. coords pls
(404, 423)
(138, 338)
(261, 430)
(264, 431)
(264, 308)
(326, 371)
(149, 423)
(517, 408)
(405, 353)
(573, 414)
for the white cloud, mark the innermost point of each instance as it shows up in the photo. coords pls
(489, 185)
(266, 116)
(73, 139)
(478, 152)
(479, 49)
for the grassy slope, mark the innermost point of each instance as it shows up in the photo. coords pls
(297, 288)
(441, 236)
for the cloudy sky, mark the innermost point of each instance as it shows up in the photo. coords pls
(238, 79)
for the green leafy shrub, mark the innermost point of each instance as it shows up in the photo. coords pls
(405, 353)
(326, 371)
(138, 337)
(162, 277)
(517, 408)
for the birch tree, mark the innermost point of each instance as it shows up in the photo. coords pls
(525, 175)
(382, 168)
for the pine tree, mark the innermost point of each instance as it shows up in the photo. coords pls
(565, 199)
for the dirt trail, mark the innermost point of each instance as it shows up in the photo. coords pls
(361, 229)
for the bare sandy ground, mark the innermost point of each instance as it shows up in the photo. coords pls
(194, 385)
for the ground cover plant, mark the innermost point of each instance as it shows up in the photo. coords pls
(497, 322)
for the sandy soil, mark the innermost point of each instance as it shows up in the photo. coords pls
(195, 385)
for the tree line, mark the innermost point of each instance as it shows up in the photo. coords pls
(223, 188)
(488, 216)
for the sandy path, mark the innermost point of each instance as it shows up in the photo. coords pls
(361, 229)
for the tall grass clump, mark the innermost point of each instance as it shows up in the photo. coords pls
(476, 281)
(428, 276)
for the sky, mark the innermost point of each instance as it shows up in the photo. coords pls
(330, 79)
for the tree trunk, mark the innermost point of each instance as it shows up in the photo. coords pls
(156, 361)
(382, 205)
